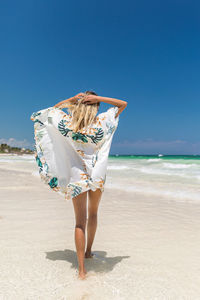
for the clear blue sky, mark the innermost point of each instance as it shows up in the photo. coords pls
(144, 52)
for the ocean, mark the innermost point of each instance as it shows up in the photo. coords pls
(176, 177)
(147, 243)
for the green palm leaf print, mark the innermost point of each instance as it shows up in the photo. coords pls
(53, 182)
(76, 189)
(38, 121)
(63, 129)
(39, 163)
(35, 114)
(79, 136)
(98, 135)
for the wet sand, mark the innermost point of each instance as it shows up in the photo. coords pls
(145, 247)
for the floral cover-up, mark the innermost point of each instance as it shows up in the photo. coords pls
(72, 162)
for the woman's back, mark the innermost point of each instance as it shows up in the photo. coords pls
(71, 151)
(103, 125)
(73, 162)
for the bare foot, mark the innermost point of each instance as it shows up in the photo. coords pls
(89, 254)
(82, 275)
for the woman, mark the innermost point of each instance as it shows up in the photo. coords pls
(71, 151)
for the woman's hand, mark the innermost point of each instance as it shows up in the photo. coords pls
(76, 97)
(72, 100)
(90, 99)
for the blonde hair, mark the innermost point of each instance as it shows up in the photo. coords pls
(83, 115)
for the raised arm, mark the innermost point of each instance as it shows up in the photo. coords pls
(73, 99)
(95, 99)
(61, 104)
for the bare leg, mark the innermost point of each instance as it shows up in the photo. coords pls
(80, 203)
(93, 204)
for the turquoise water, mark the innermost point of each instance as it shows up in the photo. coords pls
(172, 177)
(164, 157)
(176, 177)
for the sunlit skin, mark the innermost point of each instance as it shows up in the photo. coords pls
(80, 201)
(81, 213)
(92, 99)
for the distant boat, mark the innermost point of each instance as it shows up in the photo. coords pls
(160, 155)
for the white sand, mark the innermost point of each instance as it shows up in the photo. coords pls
(147, 248)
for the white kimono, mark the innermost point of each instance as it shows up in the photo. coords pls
(72, 162)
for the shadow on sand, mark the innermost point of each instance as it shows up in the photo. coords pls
(99, 263)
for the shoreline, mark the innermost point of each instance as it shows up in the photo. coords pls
(148, 241)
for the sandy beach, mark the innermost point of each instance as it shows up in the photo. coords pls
(146, 247)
